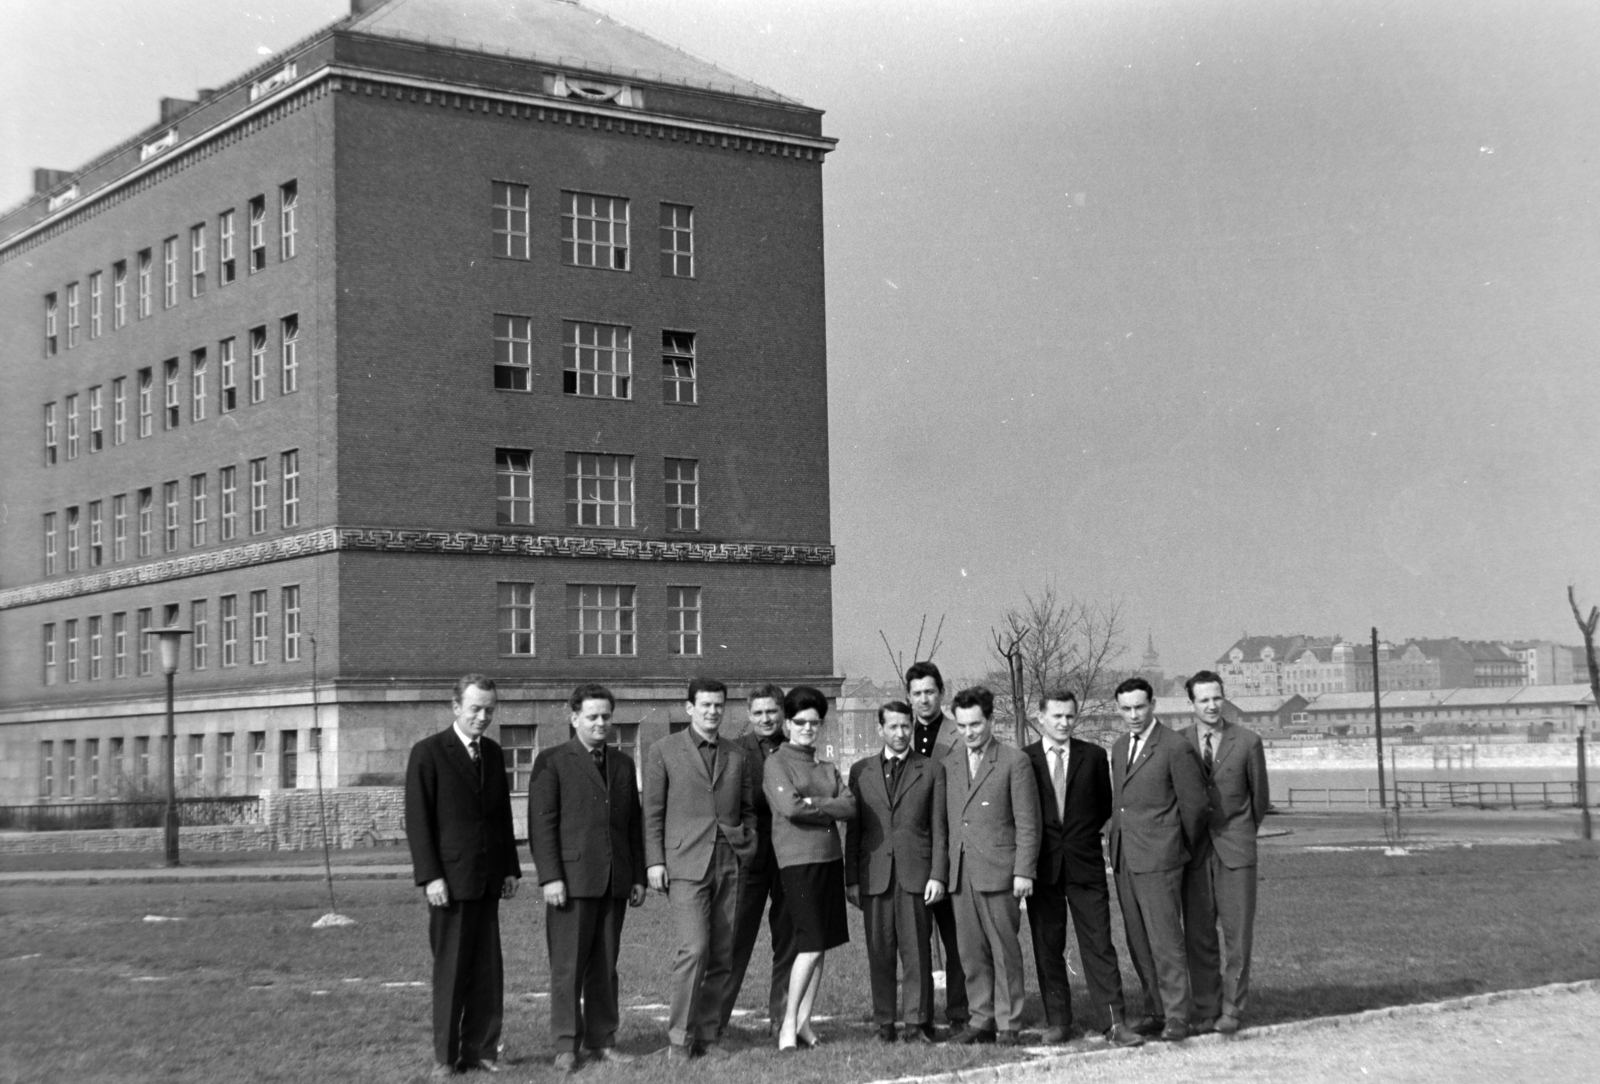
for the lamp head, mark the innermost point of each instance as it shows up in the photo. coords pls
(169, 638)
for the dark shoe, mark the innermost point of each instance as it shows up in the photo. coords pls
(566, 1062)
(971, 1036)
(1176, 1031)
(920, 1033)
(712, 1051)
(888, 1034)
(611, 1054)
(676, 1053)
(1227, 1025)
(1120, 1034)
(1008, 1037)
(1204, 1027)
(1149, 1026)
(810, 1042)
(1057, 1034)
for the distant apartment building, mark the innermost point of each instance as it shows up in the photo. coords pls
(1311, 666)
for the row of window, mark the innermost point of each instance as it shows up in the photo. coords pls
(596, 359)
(521, 746)
(602, 619)
(599, 490)
(199, 270)
(80, 533)
(594, 230)
(83, 416)
(78, 772)
(90, 649)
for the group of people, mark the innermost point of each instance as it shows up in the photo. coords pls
(947, 830)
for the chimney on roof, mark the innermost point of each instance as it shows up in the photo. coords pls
(46, 179)
(361, 7)
(171, 108)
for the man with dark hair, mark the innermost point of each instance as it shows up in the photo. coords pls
(1220, 881)
(586, 835)
(464, 855)
(933, 736)
(992, 810)
(896, 860)
(1074, 782)
(1159, 812)
(759, 879)
(699, 795)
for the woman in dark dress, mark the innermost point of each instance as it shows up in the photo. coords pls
(808, 799)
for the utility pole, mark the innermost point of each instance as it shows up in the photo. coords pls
(1377, 715)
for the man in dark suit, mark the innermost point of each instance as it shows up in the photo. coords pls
(992, 809)
(699, 830)
(464, 855)
(896, 859)
(1220, 882)
(1159, 809)
(1074, 783)
(586, 835)
(933, 735)
(760, 877)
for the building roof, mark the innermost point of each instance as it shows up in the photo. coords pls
(558, 32)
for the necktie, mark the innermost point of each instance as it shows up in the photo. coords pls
(1058, 779)
(894, 774)
(600, 760)
(1208, 753)
(1133, 751)
(477, 758)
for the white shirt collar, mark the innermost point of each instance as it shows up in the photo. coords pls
(466, 739)
(1051, 745)
(887, 755)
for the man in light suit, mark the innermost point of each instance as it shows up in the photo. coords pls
(933, 735)
(896, 859)
(1159, 809)
(1220, 882)
(760, 879)
(699, 830)
(992, 807)
(464, 855)
(586, 835)
(1074, 783)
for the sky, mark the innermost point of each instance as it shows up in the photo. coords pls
(1246, 316)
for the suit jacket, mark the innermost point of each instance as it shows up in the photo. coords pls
(584, 829)
(1159, 804)
(763, 860)
(946, 739)
(902, 840)
(993, 820)
(684, 807)
(459, 827)
(1069, 848)
(1237, 788)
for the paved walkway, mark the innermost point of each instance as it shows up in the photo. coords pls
(199, 874)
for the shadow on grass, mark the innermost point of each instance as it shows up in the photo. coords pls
(1275, 1005)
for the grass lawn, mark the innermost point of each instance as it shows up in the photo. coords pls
(242, 989)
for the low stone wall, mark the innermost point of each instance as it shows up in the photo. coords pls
(291, 820)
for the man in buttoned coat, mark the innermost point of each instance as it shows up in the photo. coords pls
(896, 859)
(464, 855)
(1159, 810)
(699, 831)
(1220, 882)
(992, 808)
(1074, 781)
(586, 835)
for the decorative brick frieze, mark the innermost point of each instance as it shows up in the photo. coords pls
(387, 540)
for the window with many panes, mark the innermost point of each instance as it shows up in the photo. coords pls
(520, 746)
(227, 266)
(142, 623)
(513, 469)
(200, 641)
(69, 765)
(72, 315)
(258, 627)
(119, 645)
(594, 231)
(683, 620)
(194, 763)
(146, 289)
(49, 543)
(291, 623)
(511, 220)
(258, 364)
(72, 538)
(677, 368)
(289, 486)
(119, 294)
(119, 527)
(197, 385)
(91, 767)
(228, 484)
(72, 427)
(169, 500)
(600, 619)
(288, 220)
(597, 360)
(52, 340)
(97, 546)
(258, 496)
(516, 618)
(677, 240)
(172, 378)
(146, 402)
(72, 649)
(50, 446)
(599, 490)
(513, 352)
(96, 304)
(50, 653)
(225, 762)
(228, 377)
(119, 410)
(141, 762)
(47, 763)
(169, 272)
(228, 612)
(258, 234)
(197, 260)
(289, 351)
(97, 648)
(682, 496)
(198, 517)
(97, 419)
(147, 511)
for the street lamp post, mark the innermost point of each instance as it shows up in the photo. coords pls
(170, 639)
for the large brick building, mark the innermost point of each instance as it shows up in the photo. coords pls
(480, 335)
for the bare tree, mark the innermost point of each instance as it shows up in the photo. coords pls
(1060, 642)
(897, 659)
